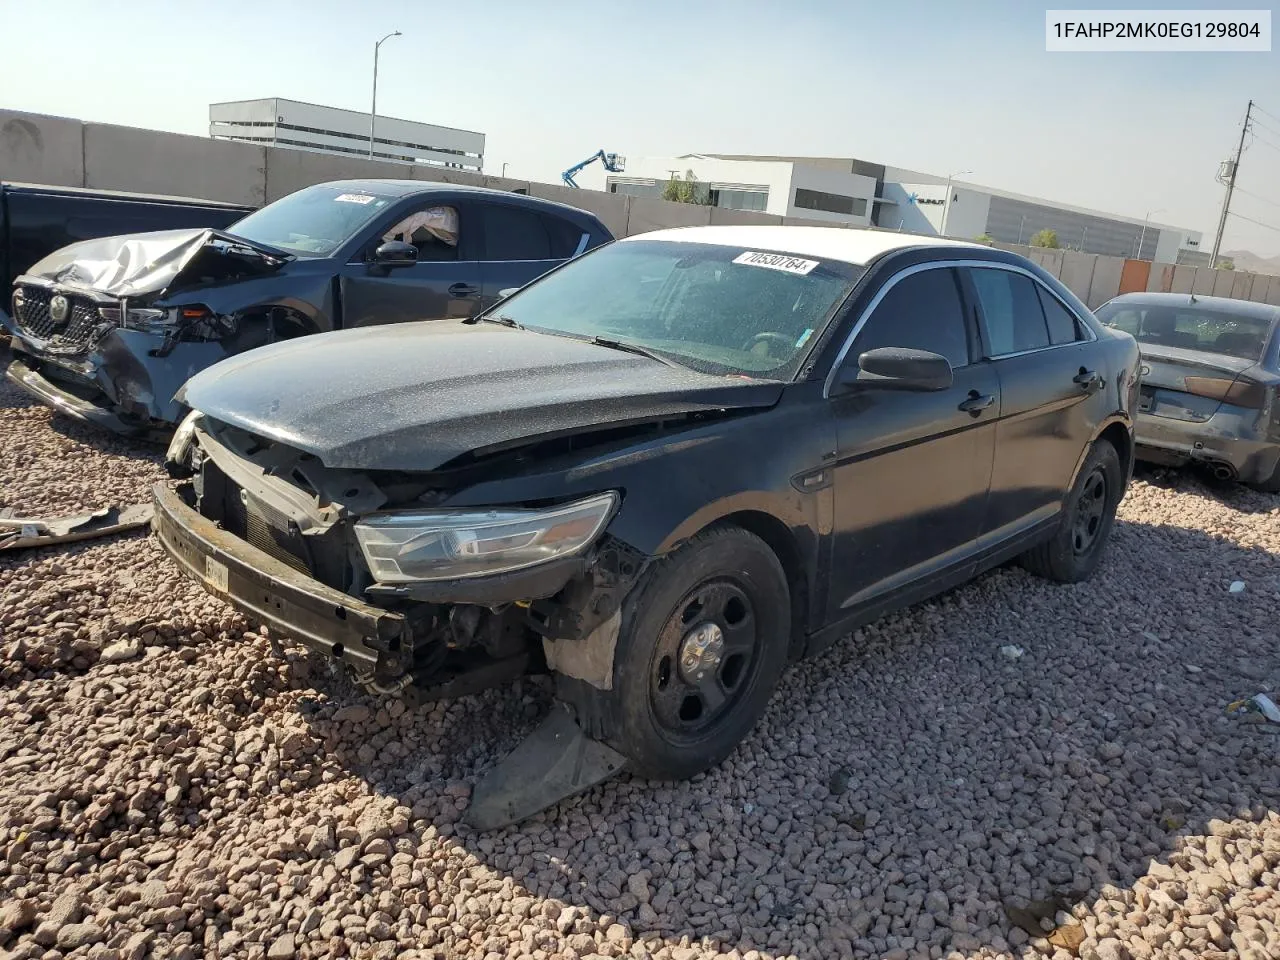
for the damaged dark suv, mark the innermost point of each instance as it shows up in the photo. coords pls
(107, 330)
(660, 472)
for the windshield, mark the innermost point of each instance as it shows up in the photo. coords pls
(717, 309)
(314, 221)
(1190, 327)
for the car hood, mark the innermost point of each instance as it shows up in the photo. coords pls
(152, 264)
(415, 396)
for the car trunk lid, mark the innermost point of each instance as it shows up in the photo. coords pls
(1191, 385)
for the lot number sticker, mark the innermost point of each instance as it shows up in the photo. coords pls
(216, 573)
(777, 261)
(353, 198)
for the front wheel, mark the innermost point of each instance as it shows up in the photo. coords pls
(1088, 513)
(703, 642)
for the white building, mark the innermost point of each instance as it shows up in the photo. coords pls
(309, 126)
(858, 193)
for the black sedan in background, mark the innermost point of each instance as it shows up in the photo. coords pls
(660, 472)
(108, 330)
(1210, 382)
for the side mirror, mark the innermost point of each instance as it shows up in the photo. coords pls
(395, 253)
(898, 368)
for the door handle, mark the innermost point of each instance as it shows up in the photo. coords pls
(977, 402)
(463, 290)
(1088, 379)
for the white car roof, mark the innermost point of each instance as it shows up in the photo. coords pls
(850, 244)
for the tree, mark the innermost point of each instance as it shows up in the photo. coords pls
(1045, 238)
(1226, 263)
(986, 238)
(686, 190)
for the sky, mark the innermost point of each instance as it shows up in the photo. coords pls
(934, 86)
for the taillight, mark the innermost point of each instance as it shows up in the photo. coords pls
(1240, 393)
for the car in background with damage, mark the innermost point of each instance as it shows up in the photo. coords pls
(37, 219)
(660, 472)
(1210, 382)
(106, 331)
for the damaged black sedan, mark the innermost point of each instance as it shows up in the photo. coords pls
(107, 330)
(660, 473)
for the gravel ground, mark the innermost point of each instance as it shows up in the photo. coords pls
(171, 788)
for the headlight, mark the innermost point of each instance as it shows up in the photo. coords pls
(138, 318)
(177, 452)
(454, 544)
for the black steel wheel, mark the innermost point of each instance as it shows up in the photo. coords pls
(1075, 547)
(703, 658)
(1090, 511)
(703, 641)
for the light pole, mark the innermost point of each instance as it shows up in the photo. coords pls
(1022, 223)
(373, 109)
(946, 204)
(504, 169)
(1142, 236)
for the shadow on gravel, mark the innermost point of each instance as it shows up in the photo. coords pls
(912, 783)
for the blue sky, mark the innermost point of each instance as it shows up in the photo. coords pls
(936, 86)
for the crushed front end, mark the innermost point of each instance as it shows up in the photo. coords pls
(365, 567)
(106, 331)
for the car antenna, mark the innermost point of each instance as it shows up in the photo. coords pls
(1193, 298)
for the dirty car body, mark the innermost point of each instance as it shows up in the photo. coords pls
(659, 472)
(1210, 382)
(107, 330)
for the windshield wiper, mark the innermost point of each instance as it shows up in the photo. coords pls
(627, 347)
(504, 320)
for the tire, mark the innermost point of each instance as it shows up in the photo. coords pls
(1088, 514)
(665, 722)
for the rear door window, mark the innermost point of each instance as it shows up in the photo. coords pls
(922, 311)
(565, 237)
(1011, 311)
(511, 233)
(1063, 326)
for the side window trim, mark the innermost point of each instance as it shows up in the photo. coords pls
(582, 245)
(869, 309)
(1040, 286)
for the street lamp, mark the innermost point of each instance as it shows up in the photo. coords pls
(1143, 235)
(946, 204)
(504, 169)
(373, 109)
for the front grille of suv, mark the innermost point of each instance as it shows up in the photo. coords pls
(32, 314)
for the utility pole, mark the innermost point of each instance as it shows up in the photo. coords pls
(1231, 185)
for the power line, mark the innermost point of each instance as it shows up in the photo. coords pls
(1250, 193)
(1256, 123)
(1241, 216)
(1267, 112)
(1263, 140)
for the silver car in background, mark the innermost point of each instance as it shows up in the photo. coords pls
(1210, 382)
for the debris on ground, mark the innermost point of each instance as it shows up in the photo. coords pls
(20, 533)
(1259, 703)
(1012, 651)
(1237, 586)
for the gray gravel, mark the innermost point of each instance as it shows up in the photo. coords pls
(915, 793)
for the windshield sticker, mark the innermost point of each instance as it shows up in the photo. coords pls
(804, 338)
(354, 198)
(777, 261)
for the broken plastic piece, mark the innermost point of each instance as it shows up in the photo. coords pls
(555, 762)
(1237, 586)
(1259, 703)
(1012, 651)
(19, 533)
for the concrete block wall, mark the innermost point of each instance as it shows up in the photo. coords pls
(63, 152)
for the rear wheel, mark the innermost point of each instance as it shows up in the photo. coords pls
(1075, 548)
(702, 644)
